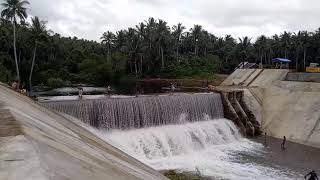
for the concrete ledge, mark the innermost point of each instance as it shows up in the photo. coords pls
(303, 77)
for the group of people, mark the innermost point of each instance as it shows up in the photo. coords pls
(22, 89)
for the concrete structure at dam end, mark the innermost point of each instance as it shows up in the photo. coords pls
(283, 107)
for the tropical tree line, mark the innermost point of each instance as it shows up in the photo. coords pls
(34, 55)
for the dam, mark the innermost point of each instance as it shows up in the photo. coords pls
(201, 133)
(144, 111)
(205, 142)
(127, 137)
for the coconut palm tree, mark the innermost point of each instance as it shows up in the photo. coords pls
(219, 47)
(13, 10)
(304, 38)
(204, 42)
(134, 45)
(120, 40)
(269, 50)
(108, 38)
(196, 33)
(163, 32)
(297, 47)
(150, 31)
(177, 33)
(229, 47)
(141, 29)
(261, 45)
(244, 45)
(286, 42)
(38, 33)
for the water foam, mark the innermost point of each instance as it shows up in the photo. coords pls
(211, 147)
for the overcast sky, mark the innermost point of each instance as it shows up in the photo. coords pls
(90, 18)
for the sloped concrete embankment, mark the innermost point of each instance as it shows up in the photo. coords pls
(292, 109)
(283, 108)
(36, 143)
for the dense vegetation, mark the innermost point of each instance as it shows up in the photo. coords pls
(151, 49)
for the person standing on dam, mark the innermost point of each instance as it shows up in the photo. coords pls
(172, 88)
(265, 139)
(313, 176)
(108, 89)
(283, 143)
(80, 92)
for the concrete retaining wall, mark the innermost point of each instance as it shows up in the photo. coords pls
(237, 77)
(283, 108)
(304, 77)
(254, 77)
(292, 109)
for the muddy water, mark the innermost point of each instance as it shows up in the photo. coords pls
(296, 157)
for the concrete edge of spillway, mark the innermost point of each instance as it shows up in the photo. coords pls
(36, 143)
(237, 110)
(283, 107)
(140, 112)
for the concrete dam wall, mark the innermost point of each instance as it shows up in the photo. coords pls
(304, 77)
(283, 108)
(157, 110)
(36, 143)
(291, 109)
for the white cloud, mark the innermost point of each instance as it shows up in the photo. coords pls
(89, 19)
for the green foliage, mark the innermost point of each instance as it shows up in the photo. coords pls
(195, 67)
(125, 84)
(150, 49)
(55, 82)
(95, 71)
(5, 74)
(119, 62)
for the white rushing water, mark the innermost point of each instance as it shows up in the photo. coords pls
(212, 148)
(143, 111)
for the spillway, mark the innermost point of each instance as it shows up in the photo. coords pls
(172, 140)
(144, 111)
(184, 132)
(213, 148)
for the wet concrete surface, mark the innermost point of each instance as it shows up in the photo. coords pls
(297, 158)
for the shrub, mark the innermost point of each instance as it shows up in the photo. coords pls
(125, 84)
(55, 82)
(5, 74)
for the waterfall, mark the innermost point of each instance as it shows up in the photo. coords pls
(142, 111)
(212, 148)
(173, 140)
